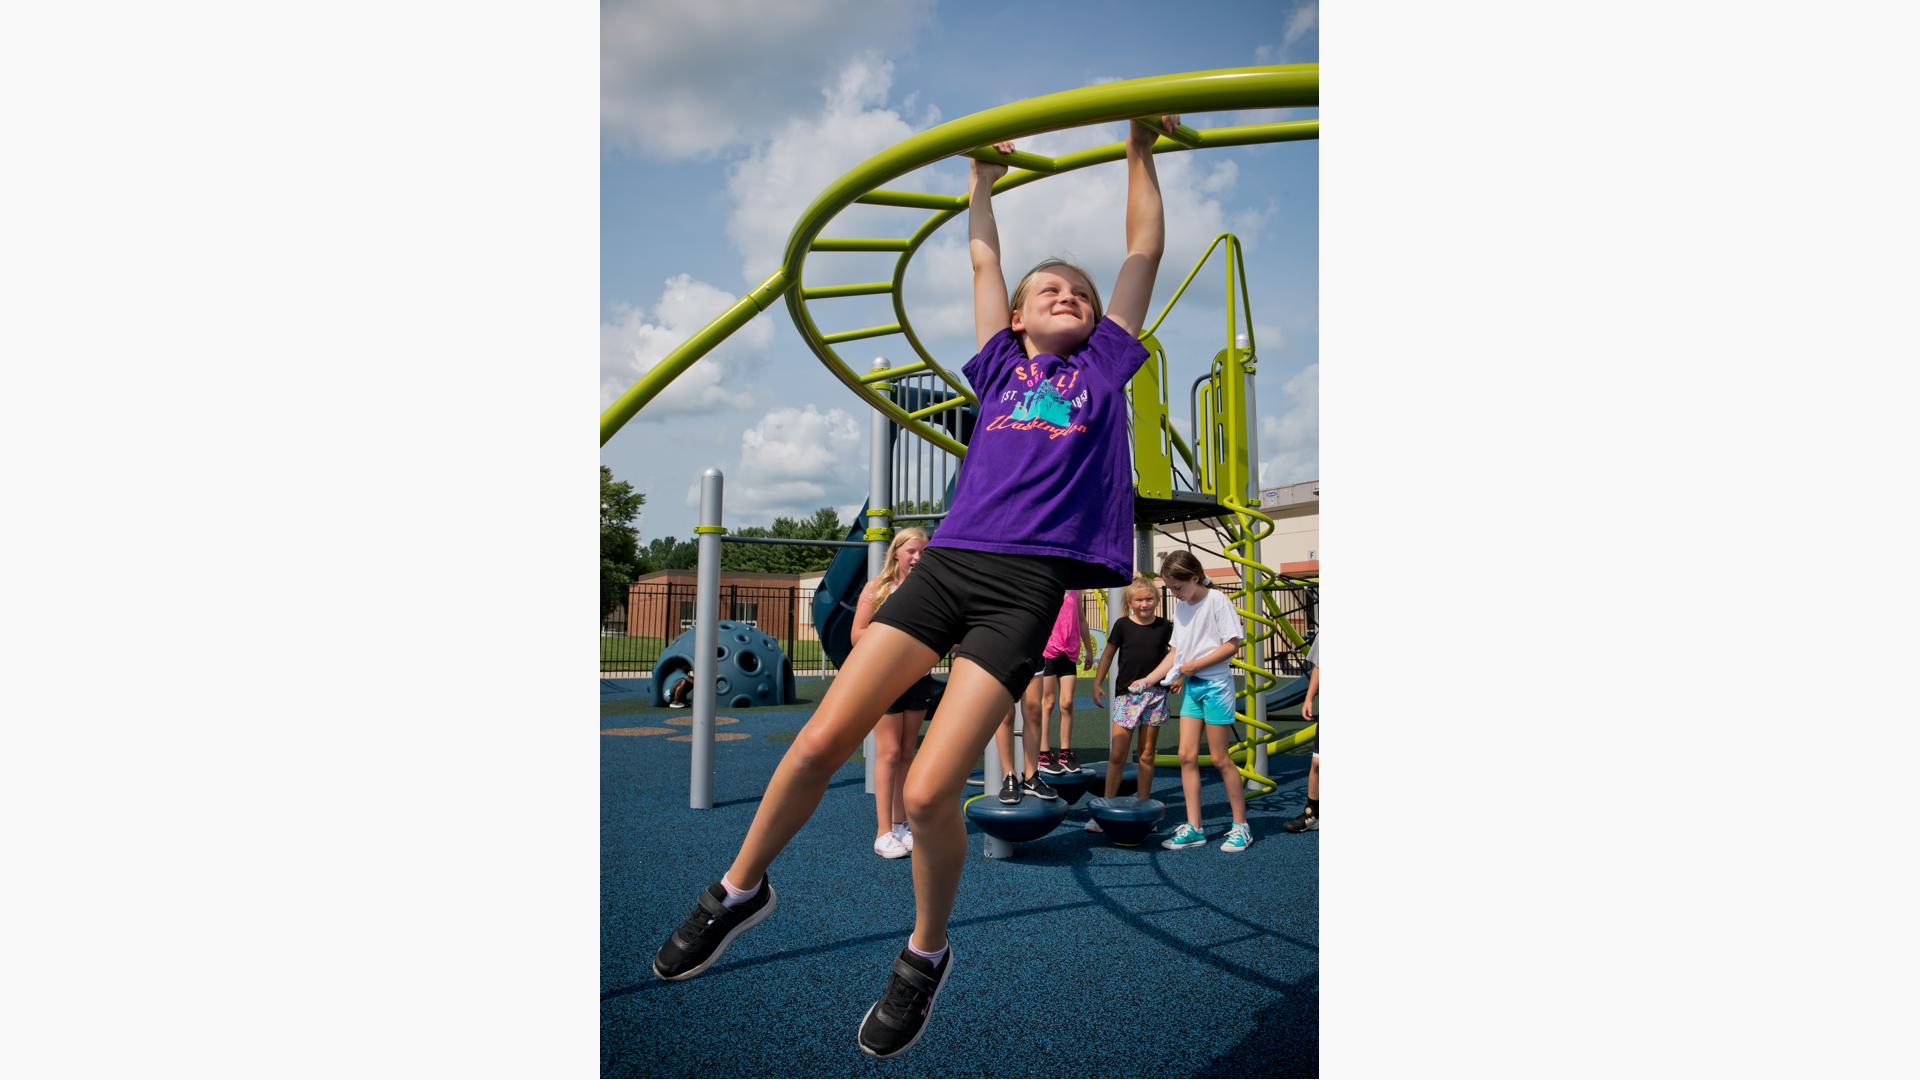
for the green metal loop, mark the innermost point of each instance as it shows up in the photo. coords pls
(879, 536)
(709, 530)
(1274, 87)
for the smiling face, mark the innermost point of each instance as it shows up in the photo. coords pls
(1056, 308)
(1140, 604)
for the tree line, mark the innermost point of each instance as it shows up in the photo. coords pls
(623, 559)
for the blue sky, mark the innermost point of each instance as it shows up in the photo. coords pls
(721, 120)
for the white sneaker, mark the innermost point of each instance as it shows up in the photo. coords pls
(903, 833)
(888, 846)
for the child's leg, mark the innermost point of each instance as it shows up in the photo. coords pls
(1049, 690)
(1003, 742)
(1313, 779)
(1219, 740)
(1034, 721)
(1064, 684)
(1190, 766)
(1149, 746)
(889, 769)
(1117, 741)
(909, 735)
(974, 699)
(879, 670)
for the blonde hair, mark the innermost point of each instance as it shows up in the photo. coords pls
(890, 573)
(1182, 566)
(1020, 290)
(1141, 583)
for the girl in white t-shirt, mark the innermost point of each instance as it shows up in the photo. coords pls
(1206, 636)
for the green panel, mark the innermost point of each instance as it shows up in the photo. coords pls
(1151, 463)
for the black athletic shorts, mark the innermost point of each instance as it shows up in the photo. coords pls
(918, 697)
(995, 610)
(1060, 665)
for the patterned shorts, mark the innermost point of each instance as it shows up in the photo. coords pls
(1130, 707)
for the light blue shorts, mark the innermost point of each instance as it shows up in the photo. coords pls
(1208, 699)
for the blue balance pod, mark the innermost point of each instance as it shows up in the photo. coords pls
(1125, 819)
(1075, 784)
(1016, 823)
(751, 669)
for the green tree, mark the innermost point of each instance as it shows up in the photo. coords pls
(783, 558)
(620, 558)
(670, 553)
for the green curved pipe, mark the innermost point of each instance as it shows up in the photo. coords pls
(695, 347)
(1284, 86)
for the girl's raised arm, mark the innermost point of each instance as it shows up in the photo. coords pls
(1146, 229)
(990, 313)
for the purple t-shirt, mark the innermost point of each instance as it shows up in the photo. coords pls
(1048, 471)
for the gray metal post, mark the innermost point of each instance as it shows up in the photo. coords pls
(1256, 579)
(880, 498)
(706, 639)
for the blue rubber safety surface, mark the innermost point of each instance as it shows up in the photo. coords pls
(1074, 958)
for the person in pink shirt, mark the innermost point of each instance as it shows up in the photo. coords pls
(1069, 646)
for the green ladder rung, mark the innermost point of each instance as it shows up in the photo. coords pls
(943, 406)
(1182, 134)
(824, 292)
(914, 199)
(844, 244)
(856, 335)
(882, 376)
(1019, 158)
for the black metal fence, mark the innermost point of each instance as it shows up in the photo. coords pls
(634, 636)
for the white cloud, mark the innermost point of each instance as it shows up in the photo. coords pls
(1304, 18)
(636, 340)
(682, 78)
(1269, 339)
(1290, 443)
(776, 181)
(793, 462)
(1220, 178)
(1248, 223)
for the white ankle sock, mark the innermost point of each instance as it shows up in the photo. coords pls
(739, 896)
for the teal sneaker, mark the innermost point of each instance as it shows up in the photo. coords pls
(1239, 838)
(1187, 836)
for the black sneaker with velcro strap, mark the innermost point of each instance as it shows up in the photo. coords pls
(707, 932)
(899, 1018)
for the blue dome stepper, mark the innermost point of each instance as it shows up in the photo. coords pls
(752, 669)
(1075, 784)
(1016, 823)
(1125, 819)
